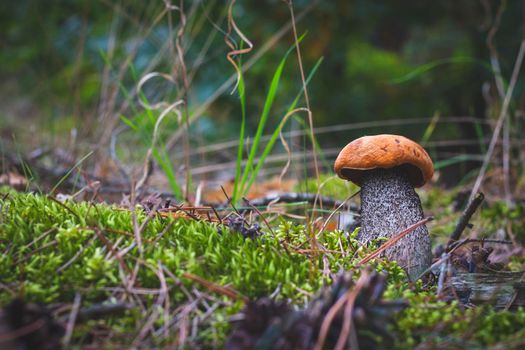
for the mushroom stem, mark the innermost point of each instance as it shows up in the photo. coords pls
(389, 204)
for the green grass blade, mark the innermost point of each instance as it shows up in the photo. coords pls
(481, 136)
(270, 97)
(28, 174)
(316, 144)
(278, 130)
(429, 130)
(63, 178)
(129, 123)
(165, 163)
(431, 65)
(457, 159)
(308, 78)
(144, 133)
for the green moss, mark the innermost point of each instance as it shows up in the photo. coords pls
(499, 215)
(52, 251)
(441, 324)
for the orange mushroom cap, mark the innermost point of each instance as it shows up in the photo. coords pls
(384, 151)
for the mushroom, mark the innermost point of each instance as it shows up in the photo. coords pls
(388, 167)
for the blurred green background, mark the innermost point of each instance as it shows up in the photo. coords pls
(69, 71)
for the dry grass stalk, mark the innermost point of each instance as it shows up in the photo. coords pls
(393, 240)
(227, 291)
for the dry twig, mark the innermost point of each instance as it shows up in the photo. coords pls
(227, 291)
(463, 222)
(393, 240)
(501, 119)
(71, 321)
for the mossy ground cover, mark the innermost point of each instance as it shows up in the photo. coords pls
(54, 252)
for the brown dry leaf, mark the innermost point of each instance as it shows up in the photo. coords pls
(13, 179)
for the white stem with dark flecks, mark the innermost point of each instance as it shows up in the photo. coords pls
(389, 204)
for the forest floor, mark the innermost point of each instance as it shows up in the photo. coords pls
(150, 273)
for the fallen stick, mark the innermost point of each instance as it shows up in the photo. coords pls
(465, 218)
(294, 197)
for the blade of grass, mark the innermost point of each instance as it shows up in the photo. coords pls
(429, 129)
(270, 97)
(310, 76)
(129, 123)
(158, 150)
(315, 143)
(501, 118)
(63, 178)
(158, 147)
(28, 173)
(481, 136)
(162, 158)
(457, 159)
(278, 130)
(431, 65)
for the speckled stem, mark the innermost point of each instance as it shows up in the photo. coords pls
(389, 205)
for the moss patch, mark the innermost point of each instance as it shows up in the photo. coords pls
(52, 251)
